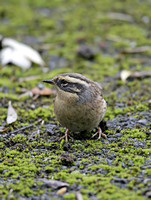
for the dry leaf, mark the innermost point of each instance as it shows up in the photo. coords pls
(43, 92)
(46, 92)
(53, 184)
(4, 130)
(62, 191)
(36, 92)
(11, 115)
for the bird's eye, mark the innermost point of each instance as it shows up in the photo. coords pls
(64, 83)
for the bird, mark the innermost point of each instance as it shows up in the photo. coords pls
(19, 54)
(79, 104)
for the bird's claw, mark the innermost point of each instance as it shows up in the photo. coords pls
(101, 134)
(66, 136)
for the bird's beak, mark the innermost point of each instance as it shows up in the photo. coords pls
(49, 81)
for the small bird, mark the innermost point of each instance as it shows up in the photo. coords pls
(79, 104)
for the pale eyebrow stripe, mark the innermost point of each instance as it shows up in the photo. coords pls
(76, 80)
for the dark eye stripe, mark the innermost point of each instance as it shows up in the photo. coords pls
(69, 86)
(63, 82)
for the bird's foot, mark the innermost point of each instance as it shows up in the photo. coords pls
(100, 133)
(66, 136)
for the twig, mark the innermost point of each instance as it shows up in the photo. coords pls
(136, 50)
(24, 128)
(140, 74)
(79, 196)
(30, 78)
(124, 75)
(120, 16)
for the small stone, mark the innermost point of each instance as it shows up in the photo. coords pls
(148, 161)
(64, 167)
(145, 19)
(148, 194)
(50, 129)
(53, 183)
(33, 106)
(142, 121)
(147, 180)
(41, 86)
(118, 135)
(86, 52)
(120, 180)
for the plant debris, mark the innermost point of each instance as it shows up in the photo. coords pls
(140, 75)
(136, 50)
(36, 92)
(53, 183)
(62, 191)
(42, 92)
(19, 54)
(79, 196)
(11, 114)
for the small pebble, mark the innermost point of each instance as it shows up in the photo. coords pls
(40, 86)
(33, 106)
(145, 19)
(142, 121)
(148, 194)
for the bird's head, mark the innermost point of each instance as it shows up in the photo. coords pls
(71, 84)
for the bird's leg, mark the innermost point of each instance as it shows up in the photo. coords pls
(101, 134)
(65, 136)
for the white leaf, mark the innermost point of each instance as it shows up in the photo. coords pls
(124, 75)
(8, 55)
(11, 115)
(19, 54)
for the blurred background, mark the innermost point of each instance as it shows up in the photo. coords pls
(88, 37)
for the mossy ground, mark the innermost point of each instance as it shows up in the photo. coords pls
(116, 168)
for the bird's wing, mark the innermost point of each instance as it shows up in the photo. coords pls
(99, 84)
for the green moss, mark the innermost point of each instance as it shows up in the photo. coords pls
(70, 196)
(123, 32)
(49, 169)
(134, 133)
(19, 139)
(58, 29)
